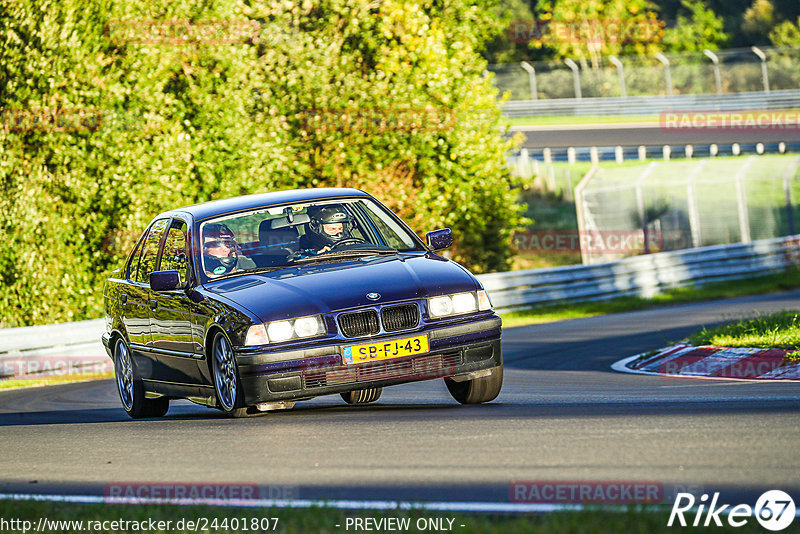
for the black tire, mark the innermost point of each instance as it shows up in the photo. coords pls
(225, 374)
(362, 396)
(131, 388)
(479, 390)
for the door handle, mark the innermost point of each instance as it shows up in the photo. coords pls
(153, 304)
(123, 298)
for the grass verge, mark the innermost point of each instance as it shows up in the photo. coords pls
(10, 383)
(774, 331)
(330, 520)
(763, 285)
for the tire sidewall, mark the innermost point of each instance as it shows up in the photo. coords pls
(238, 402)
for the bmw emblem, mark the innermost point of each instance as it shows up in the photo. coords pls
(373, 296)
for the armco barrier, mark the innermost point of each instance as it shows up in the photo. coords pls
(653, 105)
(70, 347)
(640, 275)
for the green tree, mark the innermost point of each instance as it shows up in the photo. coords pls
(697, 28)
(113, 111)
(786, 34)
(590, 29)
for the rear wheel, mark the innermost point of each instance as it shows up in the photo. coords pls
(227, 385)
(362, 396)
(479, 390)
(131, 389)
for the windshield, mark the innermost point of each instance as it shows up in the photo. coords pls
(274, 237)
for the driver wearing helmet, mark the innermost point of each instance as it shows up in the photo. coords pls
(221, 252)
(328, 226)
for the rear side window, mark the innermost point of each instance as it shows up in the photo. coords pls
(174, 257)
(147, 262)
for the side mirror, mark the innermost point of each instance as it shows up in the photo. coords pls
(166, 280)
(439, 239)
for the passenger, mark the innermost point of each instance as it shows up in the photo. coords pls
(221, 252)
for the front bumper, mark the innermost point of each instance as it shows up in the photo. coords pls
(455, 351)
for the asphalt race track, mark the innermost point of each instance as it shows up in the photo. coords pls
(648, 135)
(563, 415)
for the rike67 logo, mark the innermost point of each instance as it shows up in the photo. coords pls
(774, 510)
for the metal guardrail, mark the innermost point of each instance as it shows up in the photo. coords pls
(641, 275)
(650, 105)
(54, 349)
(37, 349)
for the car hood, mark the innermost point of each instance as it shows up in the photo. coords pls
(321, 288)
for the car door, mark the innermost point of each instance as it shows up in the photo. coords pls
(171, 328)
(136, 298)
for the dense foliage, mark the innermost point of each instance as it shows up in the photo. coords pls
(115, 110)
(687, 25)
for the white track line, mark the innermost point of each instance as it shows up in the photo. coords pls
(486, 507)
(469, 507)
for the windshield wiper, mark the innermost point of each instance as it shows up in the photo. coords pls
(338, 254)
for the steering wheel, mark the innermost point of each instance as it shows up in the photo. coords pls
(347, 241)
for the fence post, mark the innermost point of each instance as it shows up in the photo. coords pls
(640, 203)
(576, 77)
(621, 72)
(764, 72)
(694, 214)
(667, 73)
(531, 79)
(581, 209)
(741, 200)
(715, 60)
(787, 192)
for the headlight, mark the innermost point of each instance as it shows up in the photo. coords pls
(464, 303)
(458, 304)
(278, 331)
(440, 306)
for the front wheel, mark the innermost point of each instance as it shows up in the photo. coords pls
(362, 396)
(131, 389)
(479, 390)
(227, 385)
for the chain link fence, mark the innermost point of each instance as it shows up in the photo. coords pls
(686, 204)
(723, 71)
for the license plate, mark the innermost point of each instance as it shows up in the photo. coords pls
(386, 350)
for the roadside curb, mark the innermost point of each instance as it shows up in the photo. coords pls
(722, 363)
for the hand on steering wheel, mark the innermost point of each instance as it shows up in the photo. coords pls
(347, 241)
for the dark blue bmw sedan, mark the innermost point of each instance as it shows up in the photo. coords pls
(253, 303)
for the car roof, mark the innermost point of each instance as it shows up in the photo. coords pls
(227, 205)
